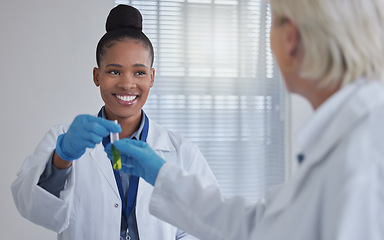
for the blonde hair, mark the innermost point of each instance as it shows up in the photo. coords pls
(342, 40)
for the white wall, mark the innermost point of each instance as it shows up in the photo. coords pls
(47, 52)
(47, 55)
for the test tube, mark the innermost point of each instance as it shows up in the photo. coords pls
(115, 153)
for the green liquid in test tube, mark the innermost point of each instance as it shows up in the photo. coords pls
(115, 153)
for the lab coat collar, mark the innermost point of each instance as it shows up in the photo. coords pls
(336, 118)
(158, 138)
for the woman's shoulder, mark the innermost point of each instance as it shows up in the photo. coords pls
(59, 128)
(51, 135)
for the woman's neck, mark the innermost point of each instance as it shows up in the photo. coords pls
(129, 126)
(315, 94)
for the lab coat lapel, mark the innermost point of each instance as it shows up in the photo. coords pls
(104, 164)
(158, 138)
(160, 142)
(350, 112)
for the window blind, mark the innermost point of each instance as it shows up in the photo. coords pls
(217, 84)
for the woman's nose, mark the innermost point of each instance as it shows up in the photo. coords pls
(127, 82)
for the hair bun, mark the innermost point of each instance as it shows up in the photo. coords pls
(124, 16)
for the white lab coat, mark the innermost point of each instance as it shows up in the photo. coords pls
(90, 207)
(337, 193)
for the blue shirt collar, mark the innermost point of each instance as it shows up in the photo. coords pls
(138, 132)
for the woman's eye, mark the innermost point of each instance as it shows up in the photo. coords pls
(114, 72)
(140, 73)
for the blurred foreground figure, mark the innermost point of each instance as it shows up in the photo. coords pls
(332, 53)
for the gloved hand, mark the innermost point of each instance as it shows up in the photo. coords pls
(85, 132)
(137, 158)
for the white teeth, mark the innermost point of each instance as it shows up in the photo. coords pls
(126, 98)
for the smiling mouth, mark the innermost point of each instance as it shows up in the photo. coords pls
(126, 98)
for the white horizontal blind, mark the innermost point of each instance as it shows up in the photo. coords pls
(216, 83)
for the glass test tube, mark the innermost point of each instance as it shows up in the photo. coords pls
(115, 153)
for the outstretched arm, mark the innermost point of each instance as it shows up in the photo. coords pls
(187, 201)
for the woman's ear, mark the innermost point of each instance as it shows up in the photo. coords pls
(289, 53)
(291, 38)
(96, 76)
(152, 76)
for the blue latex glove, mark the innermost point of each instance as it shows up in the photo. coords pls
(85, 132)
(137, 158)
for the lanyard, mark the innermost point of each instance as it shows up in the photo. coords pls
(134, 180)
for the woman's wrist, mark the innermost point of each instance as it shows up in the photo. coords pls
(59, 163)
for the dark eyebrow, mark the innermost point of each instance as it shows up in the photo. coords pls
(120, 66)
(140, 65)
(114, 65)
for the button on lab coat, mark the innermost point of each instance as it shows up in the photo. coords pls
(337, 192)
(89, 207)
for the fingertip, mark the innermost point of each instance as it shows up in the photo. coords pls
(114, 127)
(118, 144)
(87, 117)
(118, 128)
(138, 143)
(111, 126)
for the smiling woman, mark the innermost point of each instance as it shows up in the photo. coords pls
(68, 184)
